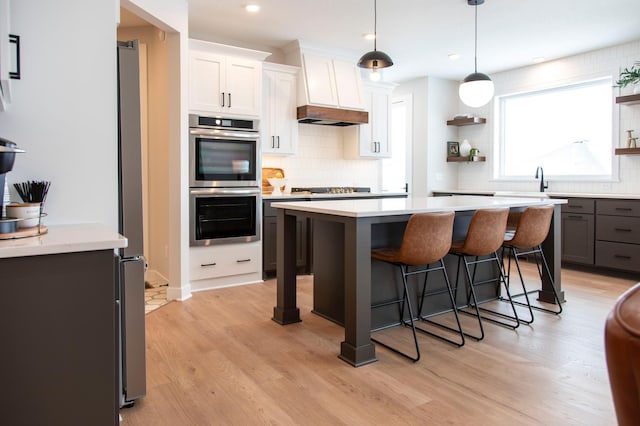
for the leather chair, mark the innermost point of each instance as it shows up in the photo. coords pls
(622, 348)
(426, 240)
(484, 237)
(531, 228)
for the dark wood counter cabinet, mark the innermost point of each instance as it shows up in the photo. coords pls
(58, 327)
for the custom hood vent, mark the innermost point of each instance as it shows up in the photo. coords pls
(312, 114)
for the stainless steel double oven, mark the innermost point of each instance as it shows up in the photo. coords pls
(224, 180)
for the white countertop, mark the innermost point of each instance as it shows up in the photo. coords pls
(297, 195)
(64, 239)
(411, 205)
(543, 194)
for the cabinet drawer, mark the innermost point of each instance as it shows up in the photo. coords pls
(618, 255)
(619, 207)
(579, 205)
(268, 211)
(224, 260)
(618, 228)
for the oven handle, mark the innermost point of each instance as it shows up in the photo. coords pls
(220, 134)
(226, 191)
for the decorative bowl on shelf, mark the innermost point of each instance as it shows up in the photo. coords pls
(278, 185)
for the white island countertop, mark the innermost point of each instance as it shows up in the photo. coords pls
(64, 239)
(410, 205)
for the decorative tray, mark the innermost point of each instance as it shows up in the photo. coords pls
(25, 232)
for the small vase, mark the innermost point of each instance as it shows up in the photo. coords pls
(636, 87)
(465, 148)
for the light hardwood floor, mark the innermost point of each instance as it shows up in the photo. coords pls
(218, 359)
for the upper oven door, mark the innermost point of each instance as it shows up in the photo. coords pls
(220, 157)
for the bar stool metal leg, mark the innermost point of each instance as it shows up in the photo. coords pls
(404, 301)
(427, 318)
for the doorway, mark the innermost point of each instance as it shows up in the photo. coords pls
(396, 171)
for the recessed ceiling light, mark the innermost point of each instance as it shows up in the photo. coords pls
(454, 56)
(538, 59)
(369, 36)
(253, 8)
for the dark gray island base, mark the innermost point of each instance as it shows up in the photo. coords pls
(346, 280)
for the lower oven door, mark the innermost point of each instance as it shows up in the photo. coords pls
(224, 215)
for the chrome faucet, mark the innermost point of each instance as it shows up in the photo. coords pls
(540, 175)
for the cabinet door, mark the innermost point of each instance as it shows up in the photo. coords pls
(206, 81)
(279, 114)
(321, 87)
(380, 118)
(371, 140)
(243, 86)
(347, 84)
(578, 238)
(269, 227)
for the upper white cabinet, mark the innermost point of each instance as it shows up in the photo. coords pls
(5, 57)
(331, 82)
(224, 79)
(372, 140)
(279, 122)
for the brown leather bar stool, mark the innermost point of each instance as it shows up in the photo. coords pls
(484, 237)
(531, 229)
(426, 240)
(622, 345)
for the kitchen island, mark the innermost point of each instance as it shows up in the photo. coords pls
(345, 231)
(58, 326)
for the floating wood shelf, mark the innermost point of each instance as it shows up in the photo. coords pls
(629, 99)
(466, 121)
(627, 151)
(465, 159)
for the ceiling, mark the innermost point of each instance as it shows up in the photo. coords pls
(419, 34)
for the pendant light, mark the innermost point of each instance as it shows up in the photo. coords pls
(477, 88)
(375, 59)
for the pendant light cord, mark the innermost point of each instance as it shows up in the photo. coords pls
(475, 53)
(375, 25)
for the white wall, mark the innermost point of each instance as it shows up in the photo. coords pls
(602, 62)
(319, 161)
(64, 107)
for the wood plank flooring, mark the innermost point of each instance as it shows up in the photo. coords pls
(218, 359)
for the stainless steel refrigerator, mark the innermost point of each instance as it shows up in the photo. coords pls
(131, 263)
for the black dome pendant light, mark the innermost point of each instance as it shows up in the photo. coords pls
(477, 88)
(375, 59)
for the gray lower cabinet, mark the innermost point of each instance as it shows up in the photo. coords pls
(60, 347)
(578, 231)
(269, 233)
(618, 234)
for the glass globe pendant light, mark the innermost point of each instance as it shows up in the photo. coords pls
(375, 59)
(477, 88)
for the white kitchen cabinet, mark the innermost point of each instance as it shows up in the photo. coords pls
(5, 57)
(331, 82)
(279, 122)
(372, 140)
(225, 260)
(221, 80)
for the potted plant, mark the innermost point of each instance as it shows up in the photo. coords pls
(630, 76)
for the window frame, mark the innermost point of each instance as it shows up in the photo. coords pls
(498, 132)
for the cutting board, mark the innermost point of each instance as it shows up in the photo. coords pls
(267, 173)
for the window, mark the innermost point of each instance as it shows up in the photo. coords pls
(566, 130)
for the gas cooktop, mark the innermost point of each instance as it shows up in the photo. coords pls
(330, 190)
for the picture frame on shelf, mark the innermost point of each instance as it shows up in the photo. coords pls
(453, 149)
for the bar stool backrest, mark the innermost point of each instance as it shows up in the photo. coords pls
(486, 232)
(533, 227)
(427, 238)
